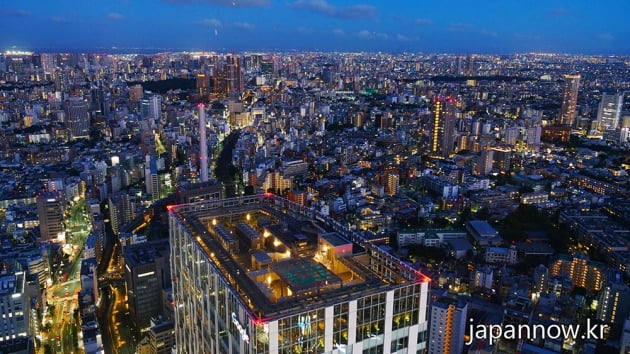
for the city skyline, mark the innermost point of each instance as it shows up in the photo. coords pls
(316, 25)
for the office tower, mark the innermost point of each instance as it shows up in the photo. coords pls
(16, 297)
(233, 74)
(77, 119)
(203, 145)
(443, 127)
(121, 210)
(614, 301)
(447, 326)
(484, 162)
(161, 337)
(147, 273)
(151, 177)
(50, 209)
(609, 111)
(135, 93)
(275, 289)
(568, 111)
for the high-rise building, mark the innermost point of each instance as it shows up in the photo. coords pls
(278, 290)
(135, 93)
(568, 112)
(443, 127)
(77, 119)
(203, 145)
(121, 210)
(15, 307)
(447, 326)
(233, 74)
(533, 138)
(151, 177)
(614, 301)
(147, 273)
(484, 162)
(609, 111)
(392, 182)
(50, 209)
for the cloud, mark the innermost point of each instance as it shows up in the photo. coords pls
(322, 7)
(489, 33)
(559, 12)
(527, 37)
(365, 34)
(235, 3)
(461, 27)
(14, 13)
(244, 26)
(339, 32)
(210, 22)
(605, 37)
(305, 30)
(423, 22)
(403, 38)
(58, 19)
(115, 16)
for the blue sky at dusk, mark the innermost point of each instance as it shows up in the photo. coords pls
(465, 26)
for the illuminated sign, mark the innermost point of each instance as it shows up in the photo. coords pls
(239, 327)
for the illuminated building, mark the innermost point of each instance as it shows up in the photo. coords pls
(447, 326)
(568, 112)
(609, 111)
(203, 145)
(233, 74)
(614, 301)
(77, 119)
(443, 126)
(147, 274)
(484, 162)
(556, 133)
(50, 213)
(584, 273)
(391, 182)
(297, 286)
(121, 210)
(15, 307)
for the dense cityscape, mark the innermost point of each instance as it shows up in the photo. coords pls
(314, 202)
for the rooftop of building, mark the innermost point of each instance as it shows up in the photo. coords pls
(299, 260)
(145, 253)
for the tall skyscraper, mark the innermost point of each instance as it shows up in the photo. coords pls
(77, 119)
(484, 162)
(568, 111)
(609, 111)
(443, 127)
(15, 306)
(233, 74)
(447, 326)
(121, 210)
(203, 144)
(269, 291)
(50, 213)
(135, 93)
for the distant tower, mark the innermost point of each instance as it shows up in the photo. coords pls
(203, 148)
(609, 111)
(77, 118)
(569, 99)
(443, 129)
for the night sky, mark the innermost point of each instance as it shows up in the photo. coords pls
(460, 26)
